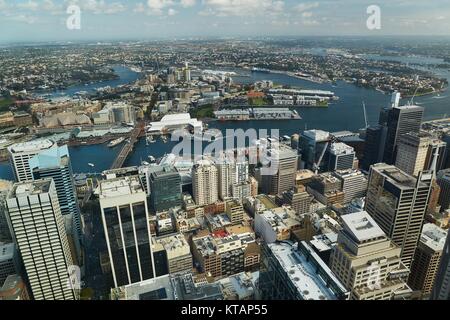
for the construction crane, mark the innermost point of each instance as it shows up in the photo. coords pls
(365, 115)
(316, 165)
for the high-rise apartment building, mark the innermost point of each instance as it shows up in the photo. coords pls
(205, 183)
(441, 288)
(165, 189)
(353, 184)
(21, 153)
(125, 217)
(367, 262)
(231, 173)
(398, 202)
(40, 235)
(426, 259)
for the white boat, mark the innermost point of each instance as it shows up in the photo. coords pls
(116, 142)
(151, 158)
(91, 165)
(150, 139)
(145, 163)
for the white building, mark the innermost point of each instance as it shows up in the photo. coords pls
(21, 153)
(173, 122)
(205, 183)
(38, 228)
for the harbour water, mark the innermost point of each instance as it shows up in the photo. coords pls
(344, 114)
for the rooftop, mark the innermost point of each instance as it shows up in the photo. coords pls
(31, 146)
(120, 187)
(361, 226)
(301, 272)
(28, 188)
(433, 237)
(6, 251)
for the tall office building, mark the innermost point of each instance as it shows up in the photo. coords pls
(205, 183)
(439, 147)
(38, 228)
(125, 217)
(443, 180)
(295, 272)
(165, 189)
(398, 202)
(299, 200)
(340, 157)
(367, 262)
(5, 234)
(21, 153)
(55, 163)
(412, 152)
(441, 288)
(374, 146)
(314, 143)
(400, 120)
(353, 184)
(426, 259)
(283, 168)
(8, 261)
(382, 140)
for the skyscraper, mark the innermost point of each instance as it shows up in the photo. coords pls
(340, 157)
(374, 146)
(21, 153)
(165, 189)
(55, 163)
(353, 184)
(314, 143)
(441, 288)
(231, 173)
(125, 217)
(5, 234)
(283, 169)
(398, 202)
(38, 228)
(443, 180)
(205, 183)
(412, 152)
(400, 120)
(367, 262)
(426, 259)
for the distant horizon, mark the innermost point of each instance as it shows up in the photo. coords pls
(112, 20)
(216, 38)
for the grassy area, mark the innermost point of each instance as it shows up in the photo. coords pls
(322, 103)
(5, 103)
(206, 111)
(257, 101)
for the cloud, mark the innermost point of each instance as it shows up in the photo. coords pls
(98, 6)
(242, 7)
(188, 3)
(306, 6)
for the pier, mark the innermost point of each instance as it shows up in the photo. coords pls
(127, 147)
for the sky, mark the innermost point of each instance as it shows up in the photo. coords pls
(45, 20)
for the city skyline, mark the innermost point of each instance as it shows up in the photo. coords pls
(45, 20)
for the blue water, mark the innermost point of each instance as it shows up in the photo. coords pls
(344, 114)
(125, 76)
